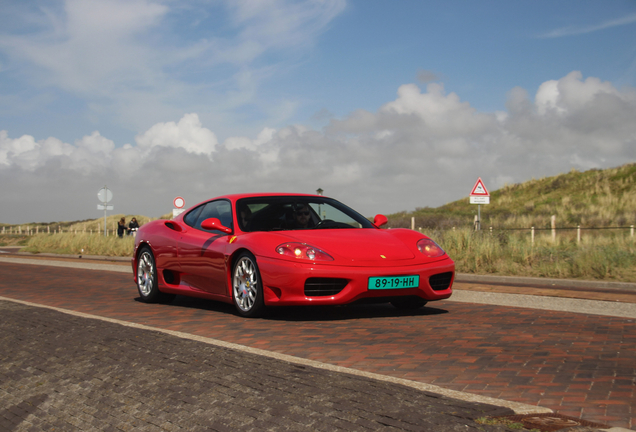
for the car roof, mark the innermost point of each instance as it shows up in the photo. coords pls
(234, 197)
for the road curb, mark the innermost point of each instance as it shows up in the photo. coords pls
(91, 257)
(543, 282)
(80, 265)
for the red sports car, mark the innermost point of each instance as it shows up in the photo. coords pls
(260, 250)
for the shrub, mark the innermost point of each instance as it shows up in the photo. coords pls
(80, 244)
(610, 257)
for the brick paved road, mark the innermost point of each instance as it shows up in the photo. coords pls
(578, 365)
(62, 372)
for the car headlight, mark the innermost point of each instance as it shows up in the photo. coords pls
(429, 248)
(303, 251)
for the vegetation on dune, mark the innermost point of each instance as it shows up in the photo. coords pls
(594, 198)
(84, 237)
(83, 226)
(81, 244)
(590, 199)
(14, 240)
(611, 256)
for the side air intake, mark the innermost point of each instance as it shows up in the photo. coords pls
(441, 281)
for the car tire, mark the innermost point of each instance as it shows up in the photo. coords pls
(409, 303)
(147, 280)
(247, 287)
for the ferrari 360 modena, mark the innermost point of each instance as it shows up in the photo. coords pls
(262, 250)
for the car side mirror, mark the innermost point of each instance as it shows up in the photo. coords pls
(380, 220)
(215, 224)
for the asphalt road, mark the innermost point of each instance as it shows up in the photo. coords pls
(577, 364)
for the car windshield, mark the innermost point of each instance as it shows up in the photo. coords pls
(278, 213)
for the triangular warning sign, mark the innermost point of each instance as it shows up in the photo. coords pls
(479, 189)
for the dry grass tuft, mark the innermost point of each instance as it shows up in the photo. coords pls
(602, 257)
(80, 244)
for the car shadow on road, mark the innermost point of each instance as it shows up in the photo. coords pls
(348, 312)
(310, 313)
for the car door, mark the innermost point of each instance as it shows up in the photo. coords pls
(202, 252)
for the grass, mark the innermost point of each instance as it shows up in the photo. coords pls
(81, 244)
(511, 253)
(84, 226)
(78, 238)
(14, 240)
(503, 422)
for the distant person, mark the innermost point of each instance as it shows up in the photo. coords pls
(121, 227)
(133, 226)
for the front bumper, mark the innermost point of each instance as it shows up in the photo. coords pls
(284, 281)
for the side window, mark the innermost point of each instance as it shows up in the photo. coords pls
(221, 209)
(191, 218)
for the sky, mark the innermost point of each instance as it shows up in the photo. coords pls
(385, 105)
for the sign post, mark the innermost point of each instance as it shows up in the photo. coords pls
(179, 203)
(105, 195)
(479, 195)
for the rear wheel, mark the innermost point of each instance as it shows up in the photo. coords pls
(147, 279)
(247, 288)
(409, 303)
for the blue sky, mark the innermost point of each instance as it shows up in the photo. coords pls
(387, 106)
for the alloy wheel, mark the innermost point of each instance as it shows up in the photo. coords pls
(245, 284)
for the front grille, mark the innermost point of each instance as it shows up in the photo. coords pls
(320, 287)
(441, 281)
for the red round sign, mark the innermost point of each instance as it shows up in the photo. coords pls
(179, 202)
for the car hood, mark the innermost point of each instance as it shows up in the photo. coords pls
(356, 246)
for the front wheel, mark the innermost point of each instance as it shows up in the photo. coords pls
(247, 289)
(147, 279)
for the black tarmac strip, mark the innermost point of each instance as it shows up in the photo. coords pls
(60, 372)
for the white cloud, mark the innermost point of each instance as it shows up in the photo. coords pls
(132, 62)
(28, 154)
(423, 148)
(95, 143)
(440, 113)
(275, 23)
(577, 30)
(91, 154)
(187, 134)
(116, 18)
(571, 93)
(547, 97)
(13, 148)
(234, 143)
(89, 47)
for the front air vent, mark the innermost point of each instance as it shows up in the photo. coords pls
(321, 287)
(171, 277)
(441, 281)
